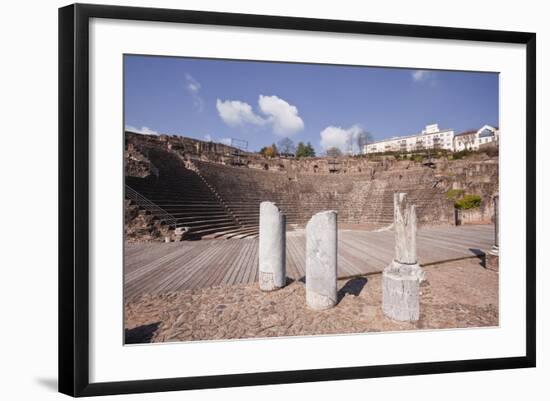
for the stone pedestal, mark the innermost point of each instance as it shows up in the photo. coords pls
(401, 291)
(491, 259)
(272, 247)
(321, 261)
(401, 279)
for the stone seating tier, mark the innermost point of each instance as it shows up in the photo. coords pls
(181, 193)
(357, 198)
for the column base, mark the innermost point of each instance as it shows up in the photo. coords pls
(492, 260)
(401, 291)
(319, 302)
(267, 282)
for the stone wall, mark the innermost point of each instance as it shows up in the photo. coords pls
(479, 215)
(315, 165)
(189, 147)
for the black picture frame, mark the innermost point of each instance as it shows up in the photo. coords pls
(74, 198)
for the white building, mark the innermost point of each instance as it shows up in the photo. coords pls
(431, 137)
(472, 140)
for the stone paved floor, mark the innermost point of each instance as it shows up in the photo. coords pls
(455, 295)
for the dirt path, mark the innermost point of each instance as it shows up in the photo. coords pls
(455, 295)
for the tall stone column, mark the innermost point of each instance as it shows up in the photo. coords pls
(321, 260)
(492, 256)
(272, 247)
(401, 279)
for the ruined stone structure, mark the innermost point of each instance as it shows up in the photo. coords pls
(401, 279)
(322, 260)
(272, 247)
(136, 164)
(141, 226)
(216, 190)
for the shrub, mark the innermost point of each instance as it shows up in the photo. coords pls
(461, 154)
(468, 202)
(491, 151)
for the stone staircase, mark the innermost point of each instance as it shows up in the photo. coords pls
(184, 195)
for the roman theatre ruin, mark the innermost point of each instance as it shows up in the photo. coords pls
(192, 210)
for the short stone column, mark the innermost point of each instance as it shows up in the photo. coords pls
(401, 279)
(272, 247)
(492, 256)
(321, 260)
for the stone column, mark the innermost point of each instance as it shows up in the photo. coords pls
(321, 260)
(496, 212)
(401, 279)
(491, 257)
(272, 247)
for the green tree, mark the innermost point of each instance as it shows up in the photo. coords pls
(310, 151)
(303, 150)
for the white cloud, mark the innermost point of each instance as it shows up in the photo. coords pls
(208, 137)
(193, 87)
(235, 113)
(419, 75)
(281, 114)
(225, 141)
(192, 84)
(142, 130)
(424, 76)
(341, 138)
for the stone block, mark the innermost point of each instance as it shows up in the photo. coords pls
(401, 291)
(491, 261)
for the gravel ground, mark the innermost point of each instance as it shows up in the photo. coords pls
(455, 295)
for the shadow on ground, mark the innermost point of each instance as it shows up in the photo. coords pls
(480, 255)
(352, 287)
(140, 334)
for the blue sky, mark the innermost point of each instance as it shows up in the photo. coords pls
(263, 102)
